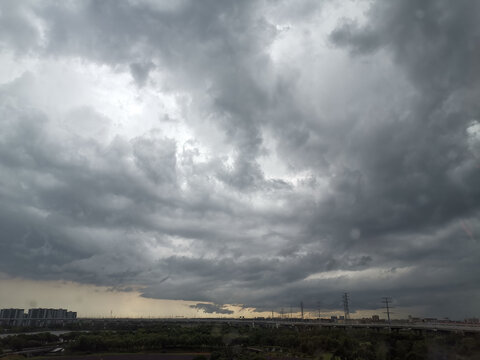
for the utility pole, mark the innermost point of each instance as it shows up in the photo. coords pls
(346, 308)
(386, 300)
(301, 308)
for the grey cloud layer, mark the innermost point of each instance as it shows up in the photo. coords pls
(393, 165)
(212, 308)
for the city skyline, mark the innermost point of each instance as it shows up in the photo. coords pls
(229, 157)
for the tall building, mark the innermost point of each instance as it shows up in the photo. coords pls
(36, 317)
(12, 317)
(46, 317)
(71, 315)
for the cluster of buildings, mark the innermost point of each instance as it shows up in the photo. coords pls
(36, 317)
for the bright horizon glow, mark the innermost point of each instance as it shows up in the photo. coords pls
(91, 301)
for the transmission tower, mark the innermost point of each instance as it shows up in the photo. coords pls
(301, 308)
(387, 301)
(346, 309)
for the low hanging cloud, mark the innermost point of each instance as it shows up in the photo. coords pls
(250, 153)
(212, 308)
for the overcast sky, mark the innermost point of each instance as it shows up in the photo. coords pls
(257, 153)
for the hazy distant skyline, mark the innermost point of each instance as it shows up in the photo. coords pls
(156, 155)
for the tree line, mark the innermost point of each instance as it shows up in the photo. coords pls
(236, 341)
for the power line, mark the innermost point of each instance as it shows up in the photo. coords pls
(346, 308)
(387, 301)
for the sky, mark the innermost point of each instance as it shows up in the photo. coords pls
(224, 157)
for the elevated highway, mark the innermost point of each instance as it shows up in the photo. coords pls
(352, 324)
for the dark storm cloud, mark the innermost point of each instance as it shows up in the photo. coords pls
(424, 178)
(140, 72)
(393, 165)
(212, 308)
(219, 43)
(426, 168)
